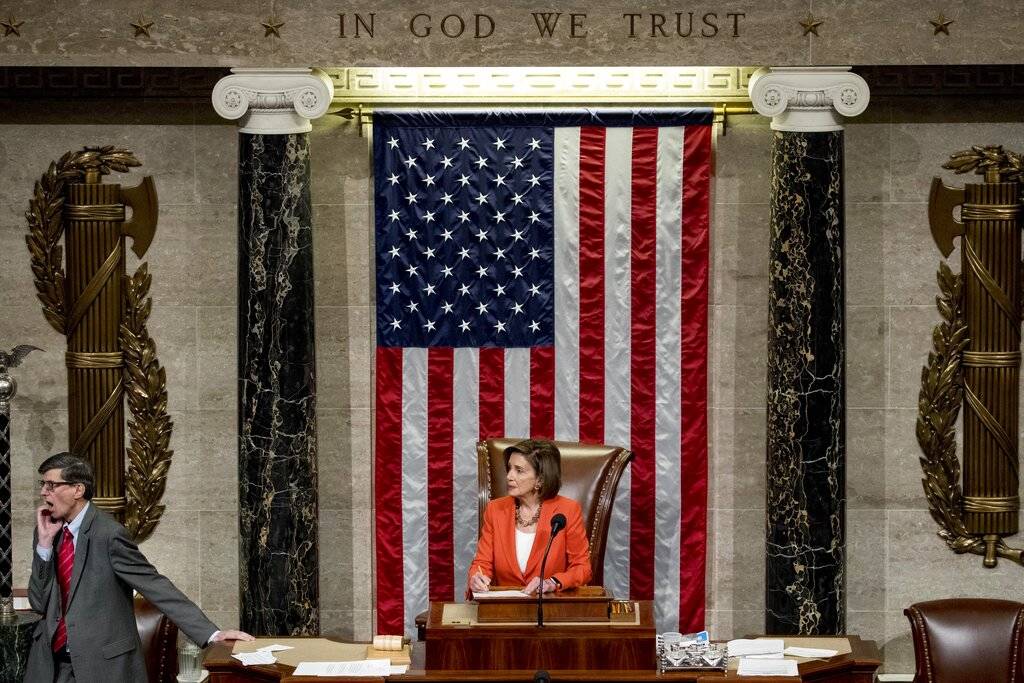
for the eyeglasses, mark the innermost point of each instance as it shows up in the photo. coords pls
(49, 486)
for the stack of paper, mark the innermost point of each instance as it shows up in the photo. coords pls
(264, 655)
(810, 652)
(744, 647)
(483, 595)
(253, 658)
(767, 667)
(762, 657)
(368, 667)
(275, 648)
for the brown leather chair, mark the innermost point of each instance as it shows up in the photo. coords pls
(159, 638)
(968, 640)
(590, 476)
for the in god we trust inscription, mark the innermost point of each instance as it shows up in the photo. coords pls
(573, 25)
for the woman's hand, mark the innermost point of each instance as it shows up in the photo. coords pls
(531, 587)
(480, 583)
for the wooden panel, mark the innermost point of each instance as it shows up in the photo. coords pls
(586, 603)
(553, 646)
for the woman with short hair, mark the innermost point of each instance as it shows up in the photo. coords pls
(517, 527)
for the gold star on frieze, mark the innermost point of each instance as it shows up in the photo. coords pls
(810, 25)
(272, 27)
(142, 27)
(941, 25)
(11, 26)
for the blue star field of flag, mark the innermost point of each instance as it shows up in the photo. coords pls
(464, 236)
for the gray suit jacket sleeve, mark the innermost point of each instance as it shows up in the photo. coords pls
(132, 567)
(40, 583)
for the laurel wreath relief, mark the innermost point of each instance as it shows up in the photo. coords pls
(149, 425)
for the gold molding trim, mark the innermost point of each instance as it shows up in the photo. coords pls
(387, 86)
(94, 360)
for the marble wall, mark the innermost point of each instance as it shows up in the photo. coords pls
(894, 557)
(191, 153)
(892, 152)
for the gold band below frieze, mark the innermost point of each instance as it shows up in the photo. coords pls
(991, 359)
(989, 212)
(94, 212)
(993, 505)
(85, 360)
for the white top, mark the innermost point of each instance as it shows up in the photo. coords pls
(524, 544)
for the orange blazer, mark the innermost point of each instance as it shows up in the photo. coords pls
(568, 561)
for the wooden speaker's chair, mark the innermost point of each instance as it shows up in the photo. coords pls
(967, 640)
(590, 476)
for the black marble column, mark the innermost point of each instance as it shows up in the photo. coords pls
(806, 503)
(6, 539)
(277, 463)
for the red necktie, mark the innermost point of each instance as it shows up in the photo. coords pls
(65, 563)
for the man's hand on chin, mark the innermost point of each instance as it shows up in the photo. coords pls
(231, 635)
(46, 526)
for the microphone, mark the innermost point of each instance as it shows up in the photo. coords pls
(557, 524)
(541, 676)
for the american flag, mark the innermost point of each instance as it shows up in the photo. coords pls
(541, 274)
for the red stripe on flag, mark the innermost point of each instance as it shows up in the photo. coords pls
(440, 440)
(642, 364)
(492, 393)
(693, 475)
(387, 480)
(591, 270)
(542, 392)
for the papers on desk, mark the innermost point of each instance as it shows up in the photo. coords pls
(767, 667)
(254, 658)
(810, 652)
(367, 667)
(264, 655)
(275, 648)
(483, 595)
(744, 647)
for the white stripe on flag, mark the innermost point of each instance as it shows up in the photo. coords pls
(517, 394)
(567, 283)
(667, 381)
(466, 431)
(617, 212)
(414, 484)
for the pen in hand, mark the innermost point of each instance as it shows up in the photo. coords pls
(482, 582)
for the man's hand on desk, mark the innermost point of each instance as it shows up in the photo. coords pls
(230, 635)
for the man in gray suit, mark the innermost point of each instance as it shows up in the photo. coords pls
(83, 571)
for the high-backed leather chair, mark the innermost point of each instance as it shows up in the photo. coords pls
(590, 476)
(968, 640)
(159, 638)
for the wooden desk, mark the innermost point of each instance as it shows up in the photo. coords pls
(857, 667)
(500, 647)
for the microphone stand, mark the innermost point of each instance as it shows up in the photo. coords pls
(540, 587)
(557, 524)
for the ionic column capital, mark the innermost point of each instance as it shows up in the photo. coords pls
(273, 101)
(808, 99)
